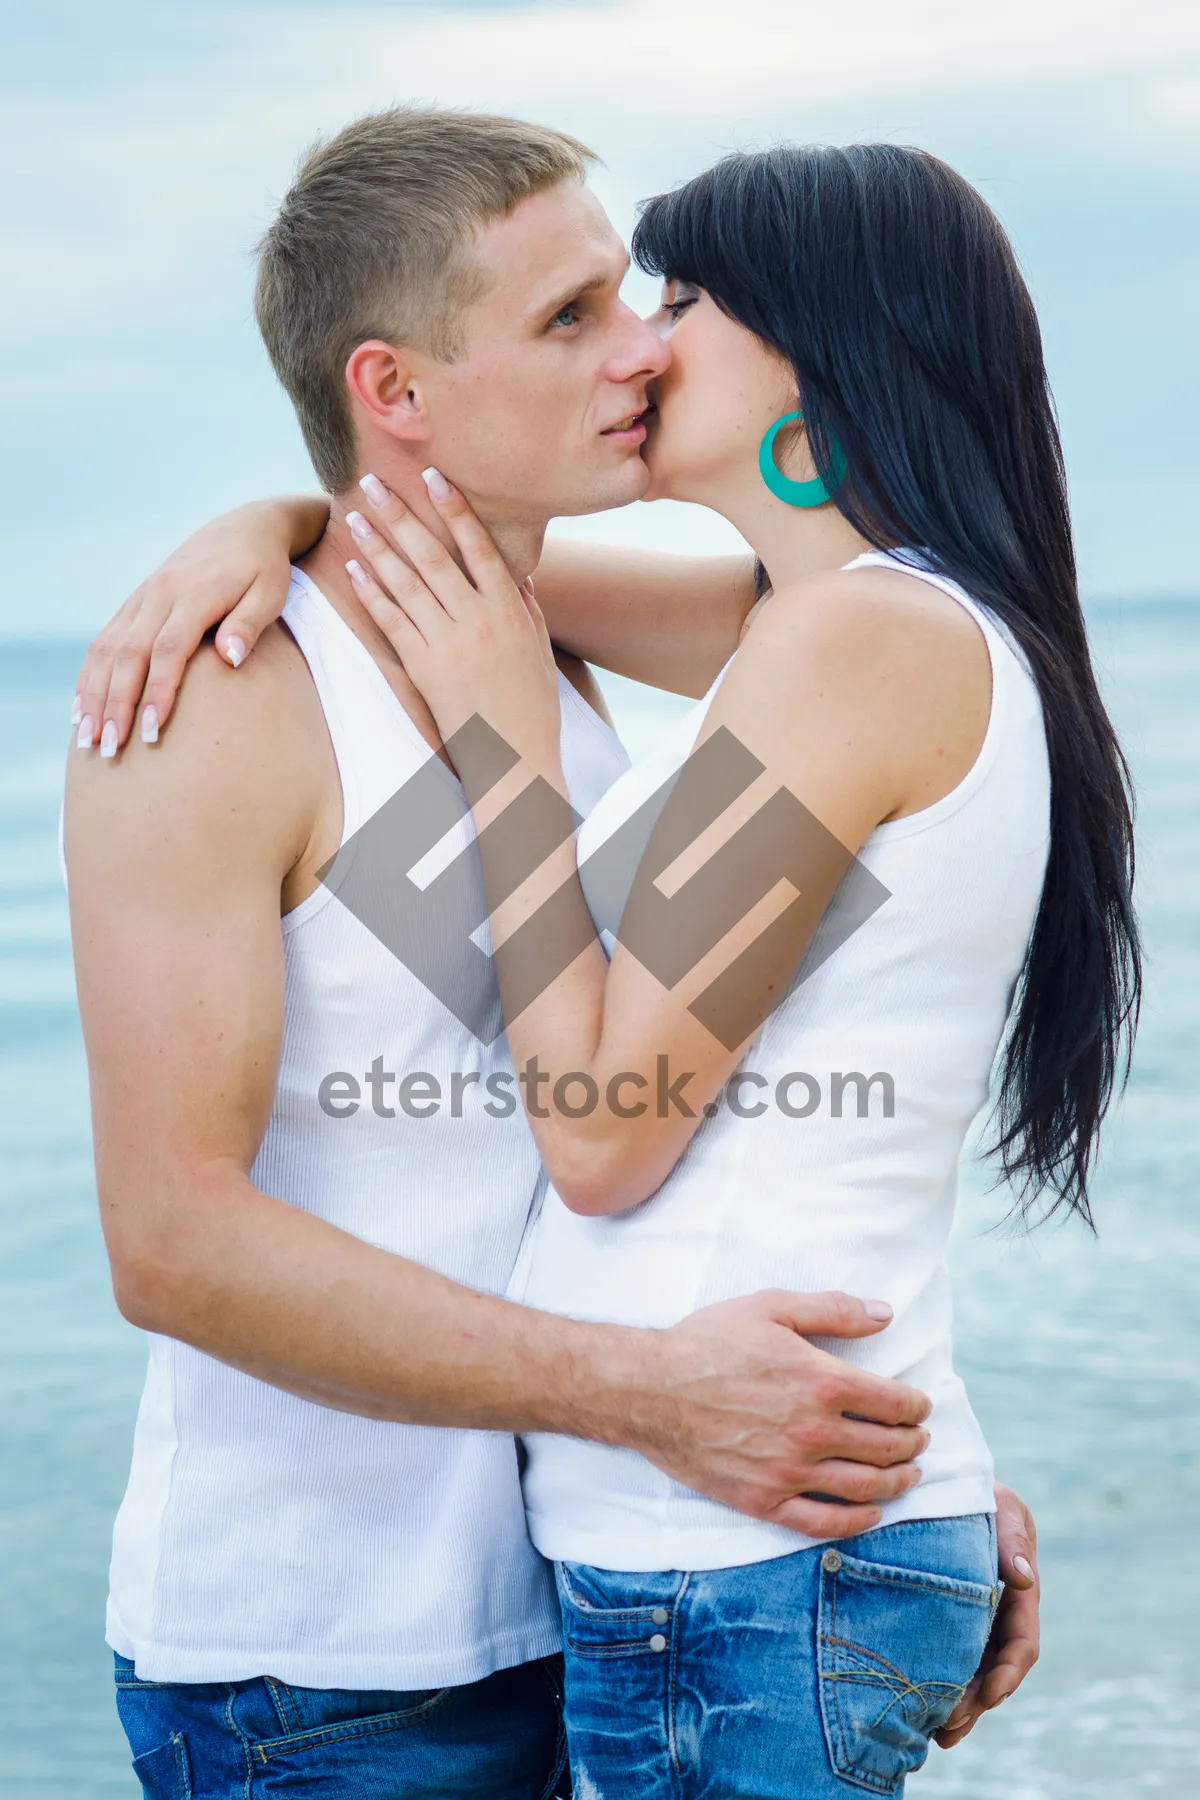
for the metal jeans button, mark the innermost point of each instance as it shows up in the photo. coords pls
(831, 1562)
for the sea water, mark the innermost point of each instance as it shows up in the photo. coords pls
(1082, 1356)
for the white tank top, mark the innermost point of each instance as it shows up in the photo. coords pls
(264, 1535)
(919, 993)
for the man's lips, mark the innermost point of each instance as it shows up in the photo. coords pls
(632, 426)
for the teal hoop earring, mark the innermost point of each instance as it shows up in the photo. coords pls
(796, 493)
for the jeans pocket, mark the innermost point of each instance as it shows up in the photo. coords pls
(313, 1717)
(612, 1615)
(895, 1649)
(164, 1773)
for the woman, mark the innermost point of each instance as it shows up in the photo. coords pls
(857, 384)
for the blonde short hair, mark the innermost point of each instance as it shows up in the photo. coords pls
(371, 242)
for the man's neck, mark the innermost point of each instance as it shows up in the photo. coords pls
(519, 541)
(519, 544)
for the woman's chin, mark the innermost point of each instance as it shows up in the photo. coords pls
(666, 482)
(659, 485)
(661, 489)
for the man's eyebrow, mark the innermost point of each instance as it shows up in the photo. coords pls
(548, 308)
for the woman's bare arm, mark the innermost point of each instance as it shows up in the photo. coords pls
(854, 699)
(233, 573)
(672, 621)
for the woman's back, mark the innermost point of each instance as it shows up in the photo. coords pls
(832, 1163)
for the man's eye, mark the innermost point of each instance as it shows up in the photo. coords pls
(567, 315)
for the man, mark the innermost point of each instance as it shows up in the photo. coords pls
(321, 1580)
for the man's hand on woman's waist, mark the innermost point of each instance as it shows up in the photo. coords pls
(735, 1402)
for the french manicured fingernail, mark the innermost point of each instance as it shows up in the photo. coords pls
(374, 489)
(108, 738)
(235, 652)
(87, 733)
(877, 1309)
(1023, 1566)
(437, 484)
(149, 724)
(76, 710)
(357, 573)
(359, 527)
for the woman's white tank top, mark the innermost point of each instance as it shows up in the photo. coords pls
(261, 1534)
(846, 1179)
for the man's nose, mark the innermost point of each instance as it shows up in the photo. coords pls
(642, 351)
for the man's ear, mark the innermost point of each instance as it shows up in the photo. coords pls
(385, 384)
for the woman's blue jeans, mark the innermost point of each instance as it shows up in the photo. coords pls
(809, 1677)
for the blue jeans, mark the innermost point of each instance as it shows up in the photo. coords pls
(808, 1677)
(496, 1739)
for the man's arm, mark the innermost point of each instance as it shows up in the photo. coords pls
(177, 859)
(672, 621)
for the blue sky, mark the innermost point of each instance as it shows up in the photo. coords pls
(145, 146)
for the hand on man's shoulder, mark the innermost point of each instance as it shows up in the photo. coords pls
(242, 772)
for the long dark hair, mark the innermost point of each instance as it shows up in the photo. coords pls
(890, 288)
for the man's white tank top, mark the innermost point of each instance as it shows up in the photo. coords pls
(264, 1535)
(810, 1193)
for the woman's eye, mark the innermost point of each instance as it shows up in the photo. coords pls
(683, 297)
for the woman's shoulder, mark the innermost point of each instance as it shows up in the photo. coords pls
(872, 615)
(876, 665)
